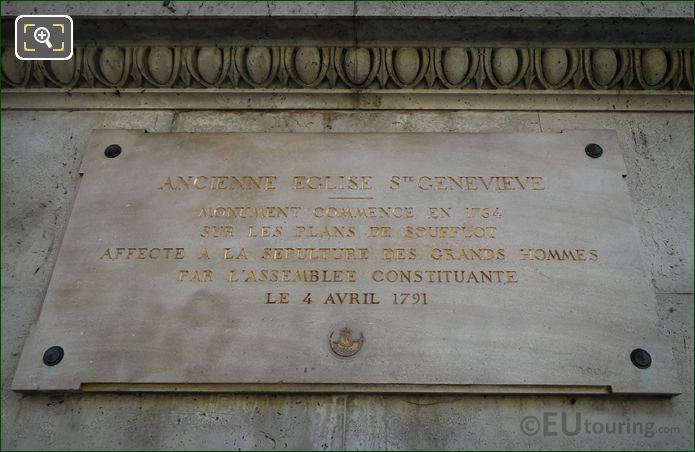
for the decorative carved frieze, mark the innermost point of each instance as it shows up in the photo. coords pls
(358, 68)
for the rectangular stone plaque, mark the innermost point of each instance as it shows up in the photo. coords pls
(407, 262)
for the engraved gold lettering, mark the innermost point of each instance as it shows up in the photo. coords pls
(380, 231)
(474, 183)
(563, 255)
(462, 254)
(229, 254)
(332, 183)
(452, 232)
(299, 276)
(364, 298)
(204, 182)
(399, 254)
(325, 231)
(198, 276)
(446, 276)
(280, 298)
(142, 253)
(311, 254)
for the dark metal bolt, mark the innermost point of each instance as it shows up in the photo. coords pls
(641, 358)
(53, 355)
(593, 150)
(112, 151)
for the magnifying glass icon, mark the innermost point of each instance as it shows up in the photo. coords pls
(43, 36)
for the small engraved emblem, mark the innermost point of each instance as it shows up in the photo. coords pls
(343, 344)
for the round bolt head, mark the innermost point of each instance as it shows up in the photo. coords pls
(641, 358)
(112, 151)
(593, 150)
(53, 355)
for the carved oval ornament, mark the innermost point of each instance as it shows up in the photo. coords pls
(314, 67)
(15, 72)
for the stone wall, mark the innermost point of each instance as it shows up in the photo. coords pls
(49, 111)
(41, 155)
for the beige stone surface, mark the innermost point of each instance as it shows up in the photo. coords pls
(355, 121)
(556, 199)
(659, 158)
(39, 177)
(70, 421)
(660, 187)
(323, 422)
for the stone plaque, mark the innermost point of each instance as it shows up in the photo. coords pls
(409, 262)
